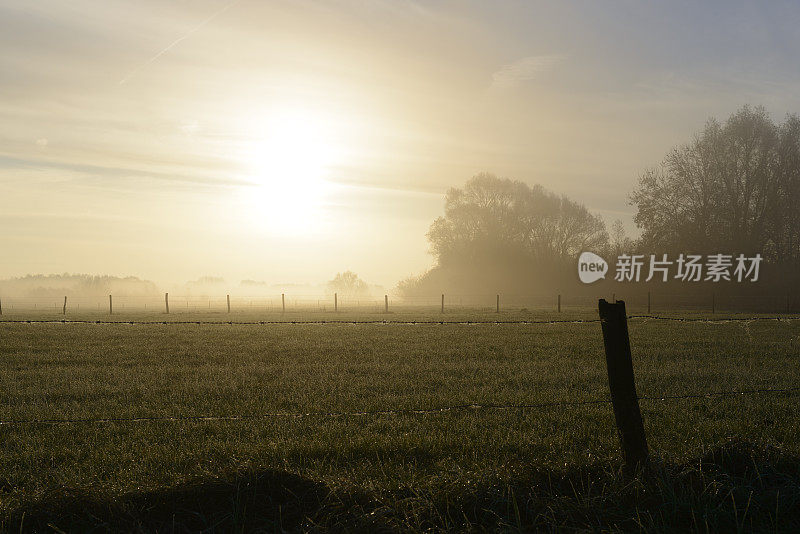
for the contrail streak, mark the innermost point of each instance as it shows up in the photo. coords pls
(178, 40)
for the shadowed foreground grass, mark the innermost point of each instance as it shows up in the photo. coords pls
(721, 463)
(735, 487)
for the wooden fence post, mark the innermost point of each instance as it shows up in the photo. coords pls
(498, 305)
(621, 382)
(1, 306)
(442, 302)
(283, 302)
(229, 303)
(64, 309)
(166, 303)
(648, 302)
(559, 303)
(386, 303)
(336, 302)
(713, 302)
(110, 306)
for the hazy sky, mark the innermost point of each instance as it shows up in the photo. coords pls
(286, 141)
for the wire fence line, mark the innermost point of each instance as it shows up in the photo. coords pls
(792, 390)
(779, 318)
(705, 300)
(310, 322)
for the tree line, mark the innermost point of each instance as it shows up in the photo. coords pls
(733, 188)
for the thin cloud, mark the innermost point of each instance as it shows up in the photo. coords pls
(522, 70)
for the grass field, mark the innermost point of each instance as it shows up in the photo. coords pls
(719, 463)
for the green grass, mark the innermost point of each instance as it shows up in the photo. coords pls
(723, 463)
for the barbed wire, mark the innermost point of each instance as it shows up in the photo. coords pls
(787, 318)
(298, 322)
(389, 411)
(730, 393)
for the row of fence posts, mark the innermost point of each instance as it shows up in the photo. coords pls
(283, 303)
(228, 302)
(386, 303)
(713, 302)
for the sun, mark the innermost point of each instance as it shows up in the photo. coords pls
(287, 160)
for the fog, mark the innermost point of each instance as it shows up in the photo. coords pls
(254, 149)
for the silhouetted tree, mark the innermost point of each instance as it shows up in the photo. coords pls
(718, 192)
(783, 225)
(503, 233)
(348, 284)
(494, 216)
(734, 188)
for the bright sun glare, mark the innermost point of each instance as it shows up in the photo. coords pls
(287, 161)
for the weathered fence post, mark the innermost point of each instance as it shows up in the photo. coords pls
(442, 302)
(559, 303)
(386, 303)
(497, 310)
(229, 303)
(621, 382)
(336, 302)
(111, 306)
(64, 309)
(283, 302)
(1, 306)
(648, 302)
(166, 303)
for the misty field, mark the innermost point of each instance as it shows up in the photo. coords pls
(295, 454)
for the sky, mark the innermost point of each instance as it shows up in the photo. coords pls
(287, 141)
